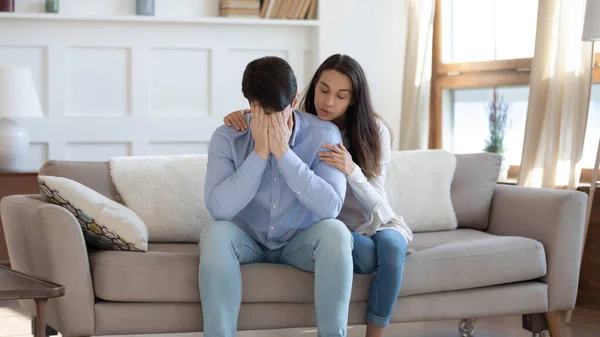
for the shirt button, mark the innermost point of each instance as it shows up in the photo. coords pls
(272, 228)
(298, 192)
(280, 171)
(274, 179)
(274, 206)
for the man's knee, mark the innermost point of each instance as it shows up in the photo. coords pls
(216, 240)
(335, 233)
(217, 231)
(217, 236)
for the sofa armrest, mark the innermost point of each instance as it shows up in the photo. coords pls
(46, 241)
(556, 219)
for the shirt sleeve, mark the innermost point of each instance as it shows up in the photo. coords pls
(322, 189)
(227, 190)
(371, 193)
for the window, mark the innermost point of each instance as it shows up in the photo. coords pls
(485, 30)
(482, 46)
(467, 117)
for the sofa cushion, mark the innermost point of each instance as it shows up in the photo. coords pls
(473, 187)
(444, 261)
(453, 261)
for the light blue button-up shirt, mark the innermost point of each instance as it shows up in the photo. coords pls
(273, 200)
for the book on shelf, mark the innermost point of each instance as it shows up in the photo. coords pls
(288, 9)
(240, 4)
(239, 8)
(240, 13)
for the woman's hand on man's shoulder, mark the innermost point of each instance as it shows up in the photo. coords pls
(237, 120)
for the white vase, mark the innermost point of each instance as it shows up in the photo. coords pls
(14, 145)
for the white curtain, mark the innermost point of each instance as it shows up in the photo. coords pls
(558, 97)
(414, 120)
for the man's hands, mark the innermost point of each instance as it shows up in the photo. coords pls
(280, 132)
(271, 133)
(259, 126)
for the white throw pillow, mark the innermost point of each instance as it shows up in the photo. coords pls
(418, 189)
(167, 192)
(106, 224)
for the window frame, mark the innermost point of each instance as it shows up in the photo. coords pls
(481, 74)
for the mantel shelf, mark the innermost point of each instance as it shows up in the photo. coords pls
(158, 19)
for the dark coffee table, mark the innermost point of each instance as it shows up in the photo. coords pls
(15, 285)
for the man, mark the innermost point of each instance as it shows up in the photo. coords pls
(274, 201)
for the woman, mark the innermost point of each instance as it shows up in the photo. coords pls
(338, 92)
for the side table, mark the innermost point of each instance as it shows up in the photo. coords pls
(15, 285)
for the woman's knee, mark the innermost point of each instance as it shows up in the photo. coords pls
(391, 247)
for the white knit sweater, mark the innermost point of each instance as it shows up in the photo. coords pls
(366, 209)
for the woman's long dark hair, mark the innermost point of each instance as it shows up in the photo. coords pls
(361, 120)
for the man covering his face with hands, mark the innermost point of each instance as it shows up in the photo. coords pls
(271, 132)
(274, 201)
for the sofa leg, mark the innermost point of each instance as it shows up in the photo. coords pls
(554, 323)
(466, 327)
(49, 330)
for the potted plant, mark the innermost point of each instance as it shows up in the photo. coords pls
(498, 123)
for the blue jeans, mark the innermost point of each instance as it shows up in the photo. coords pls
(384, 254)
(324, 248)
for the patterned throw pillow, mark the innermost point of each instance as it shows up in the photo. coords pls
(106, 224)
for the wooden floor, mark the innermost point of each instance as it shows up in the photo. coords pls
(585, 323)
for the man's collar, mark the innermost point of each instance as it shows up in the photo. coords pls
(294, 130)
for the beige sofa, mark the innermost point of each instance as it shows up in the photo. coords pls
(517, 251)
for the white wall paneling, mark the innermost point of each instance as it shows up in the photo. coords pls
(166, 148)
(38, 154)
(115, 85)
(374, 33)
(97, 81)
(179, 83)
(97, 150)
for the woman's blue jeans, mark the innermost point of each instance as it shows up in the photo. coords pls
(384, 254)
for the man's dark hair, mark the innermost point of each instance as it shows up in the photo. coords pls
(271, 82)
